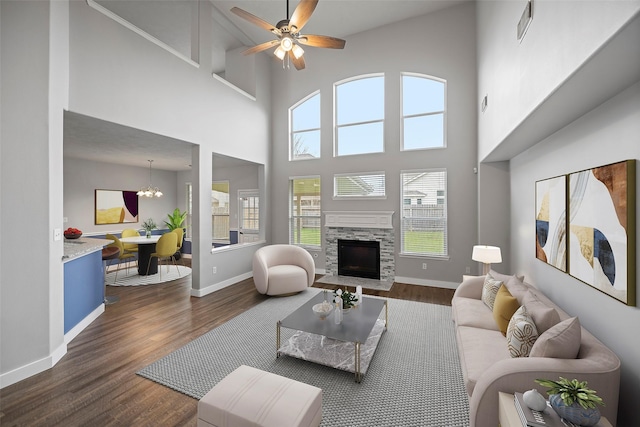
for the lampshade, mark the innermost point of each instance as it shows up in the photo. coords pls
(486, 254)
(297, 51)
(286, 43)
(280, 52)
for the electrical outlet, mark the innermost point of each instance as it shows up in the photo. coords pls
(424, 265)
(57, 234)
(467, 270)
(215, 270)
(65, 219)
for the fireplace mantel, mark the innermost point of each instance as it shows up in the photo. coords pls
(357, 219)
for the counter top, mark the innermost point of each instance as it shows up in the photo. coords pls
(82, 246)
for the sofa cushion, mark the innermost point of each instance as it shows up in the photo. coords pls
(543, 316)
(561, 341)
(504, 277)
(517, 288)
(490, 290)
(473, 312)
(521, 333)
(503, 308)
(478, 349)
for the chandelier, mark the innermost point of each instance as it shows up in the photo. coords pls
(150, 191)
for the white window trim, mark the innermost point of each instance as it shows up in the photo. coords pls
(423, 255)
(359, 174)
(443, 112)
(293, 107)
(335, 115)
(289, 197)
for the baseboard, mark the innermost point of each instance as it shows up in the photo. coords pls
(83, 324)
(423, 282)
(220, 285)
(33, 368)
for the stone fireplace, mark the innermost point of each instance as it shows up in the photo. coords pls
(361, 226)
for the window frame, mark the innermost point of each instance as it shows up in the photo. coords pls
(293, 158)
(336, 126)
(214, 215)
(403, 206)
(432, 113)
(291, 219)
(359, 175)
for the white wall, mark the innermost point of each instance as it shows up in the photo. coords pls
(606, 135)
(82, 178)
(519, 76)
(441, 44)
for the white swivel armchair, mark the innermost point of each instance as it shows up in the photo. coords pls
(282, 269)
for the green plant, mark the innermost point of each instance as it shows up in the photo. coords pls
(176, 219)
(348, 299)
(149, 225)
(571, 391)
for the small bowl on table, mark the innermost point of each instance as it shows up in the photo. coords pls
(72, 236)
(322, 310)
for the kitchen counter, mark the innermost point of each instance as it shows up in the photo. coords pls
(74, 248)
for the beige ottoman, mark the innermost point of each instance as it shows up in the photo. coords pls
(249, 397)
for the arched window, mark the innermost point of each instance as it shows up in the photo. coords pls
(304, 128)
(423, 112)
(359, 115)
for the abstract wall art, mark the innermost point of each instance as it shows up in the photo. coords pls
(551, 221)
(116, 207)
(602, 235)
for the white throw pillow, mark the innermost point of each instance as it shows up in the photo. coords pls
(490, 290)
(521, 333)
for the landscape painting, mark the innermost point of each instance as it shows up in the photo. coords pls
(116, 207)
(551, 222)
(602, 229)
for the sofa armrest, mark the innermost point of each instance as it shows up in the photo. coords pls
(470, 288)
(519, 374)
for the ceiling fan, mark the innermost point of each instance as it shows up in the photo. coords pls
(288, 34)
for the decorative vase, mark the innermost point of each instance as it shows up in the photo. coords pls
(575, 413)
(148, 234)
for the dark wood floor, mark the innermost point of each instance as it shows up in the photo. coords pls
(96, 384)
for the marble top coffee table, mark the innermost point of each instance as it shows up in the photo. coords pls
(348, 346)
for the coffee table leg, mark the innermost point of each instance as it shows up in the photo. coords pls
(278, 339)
(357, 357)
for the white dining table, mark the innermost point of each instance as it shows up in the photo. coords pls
(146, 246)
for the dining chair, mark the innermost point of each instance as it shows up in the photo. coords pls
(165, 249)
(180, 233)
(130, 232)
(124, 255)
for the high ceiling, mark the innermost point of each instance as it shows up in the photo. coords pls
(92, 139)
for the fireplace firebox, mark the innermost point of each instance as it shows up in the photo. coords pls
(359, 258)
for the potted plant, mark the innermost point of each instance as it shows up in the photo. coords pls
(348, 299)
(148, 226)
(176, 219)
(573, 400)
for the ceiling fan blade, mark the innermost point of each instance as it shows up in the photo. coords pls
(322, 41)
(255, 20)
(260, 47)
(298, 63)
(302, 14)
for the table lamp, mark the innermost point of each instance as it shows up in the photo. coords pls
(486, 255)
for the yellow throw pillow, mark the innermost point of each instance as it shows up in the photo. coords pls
(503, 308)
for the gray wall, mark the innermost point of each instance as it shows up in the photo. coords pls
(82, 178)
(439, 44)
(606, 135)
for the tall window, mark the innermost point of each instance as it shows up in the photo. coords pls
(359, 115)
(220, 211)
(304, 125)
(304, 211)
(424, 212)
(423, 112)
(368, 185)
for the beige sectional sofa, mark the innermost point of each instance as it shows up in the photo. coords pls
(488, 366)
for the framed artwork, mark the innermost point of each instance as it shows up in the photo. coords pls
(602, 235)
(116, 207)
(551, 221)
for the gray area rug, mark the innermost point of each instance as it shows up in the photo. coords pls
(380, 285)
(414, 378)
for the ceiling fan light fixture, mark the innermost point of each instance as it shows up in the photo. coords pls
(286, 43)
(297, 51)
(280, 53)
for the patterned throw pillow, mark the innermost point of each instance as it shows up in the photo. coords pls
(521, 333)
(490, 290)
